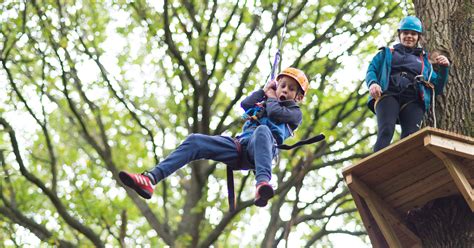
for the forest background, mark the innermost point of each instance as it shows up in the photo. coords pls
(89, 88)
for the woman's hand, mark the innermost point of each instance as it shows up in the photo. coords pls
(442, 60)
(375, 90)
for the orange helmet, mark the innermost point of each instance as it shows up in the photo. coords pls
(297, 75)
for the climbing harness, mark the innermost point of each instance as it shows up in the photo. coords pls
(420, 79)
(242, 158)
(255, 116)
(254, 113)
(378, 99)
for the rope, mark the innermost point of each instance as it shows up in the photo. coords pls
(278, 53)
(428, 84)
(276, 60)
(433, 97)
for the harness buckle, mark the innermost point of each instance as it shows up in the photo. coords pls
(421, 79)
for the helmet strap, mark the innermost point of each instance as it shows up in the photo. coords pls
(299, 95)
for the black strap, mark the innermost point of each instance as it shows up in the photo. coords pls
(311, 140)
(230, 171)
(230, 189)
(230, 177)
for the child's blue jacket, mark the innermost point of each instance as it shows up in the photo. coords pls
(379, 73)
(282, 117)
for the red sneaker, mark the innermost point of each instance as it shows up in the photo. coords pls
(263, 193)
(140, 183)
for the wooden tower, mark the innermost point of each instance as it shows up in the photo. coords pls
(427, 165)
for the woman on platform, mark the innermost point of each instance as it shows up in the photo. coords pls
(401, 82)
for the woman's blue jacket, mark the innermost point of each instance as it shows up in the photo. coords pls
(379, 73)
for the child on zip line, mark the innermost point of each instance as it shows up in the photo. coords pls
(273, 114)
(402, 83)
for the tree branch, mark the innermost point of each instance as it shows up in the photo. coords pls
(89, 233)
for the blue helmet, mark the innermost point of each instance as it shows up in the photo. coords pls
(411, 23)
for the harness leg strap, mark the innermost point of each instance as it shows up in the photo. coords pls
(230, 178)
(230, 189)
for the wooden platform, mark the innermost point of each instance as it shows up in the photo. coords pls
(427, 165)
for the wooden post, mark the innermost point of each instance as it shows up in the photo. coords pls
(440, 146)
(385, 216)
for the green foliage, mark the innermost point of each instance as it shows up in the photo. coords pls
(95, 87)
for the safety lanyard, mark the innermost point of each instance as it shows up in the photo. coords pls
(422, 64)
(278, 53)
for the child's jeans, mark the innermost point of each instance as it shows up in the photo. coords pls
(259, 147)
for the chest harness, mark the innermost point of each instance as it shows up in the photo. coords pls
(256, 117)
(418, 79)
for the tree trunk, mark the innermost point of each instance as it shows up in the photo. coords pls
(445, 222)
(448, 222)
(448, 29)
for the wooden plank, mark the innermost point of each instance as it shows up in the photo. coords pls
(408, 177)
(382, 160)
(470, 170)
(386, 217)
(458, 174)
(447, 145)
(438, 192)
(401, 164)
(384, 156)
(375, 235)
(376, 211)
(450, 135)
(420, 188)
(409, 142)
